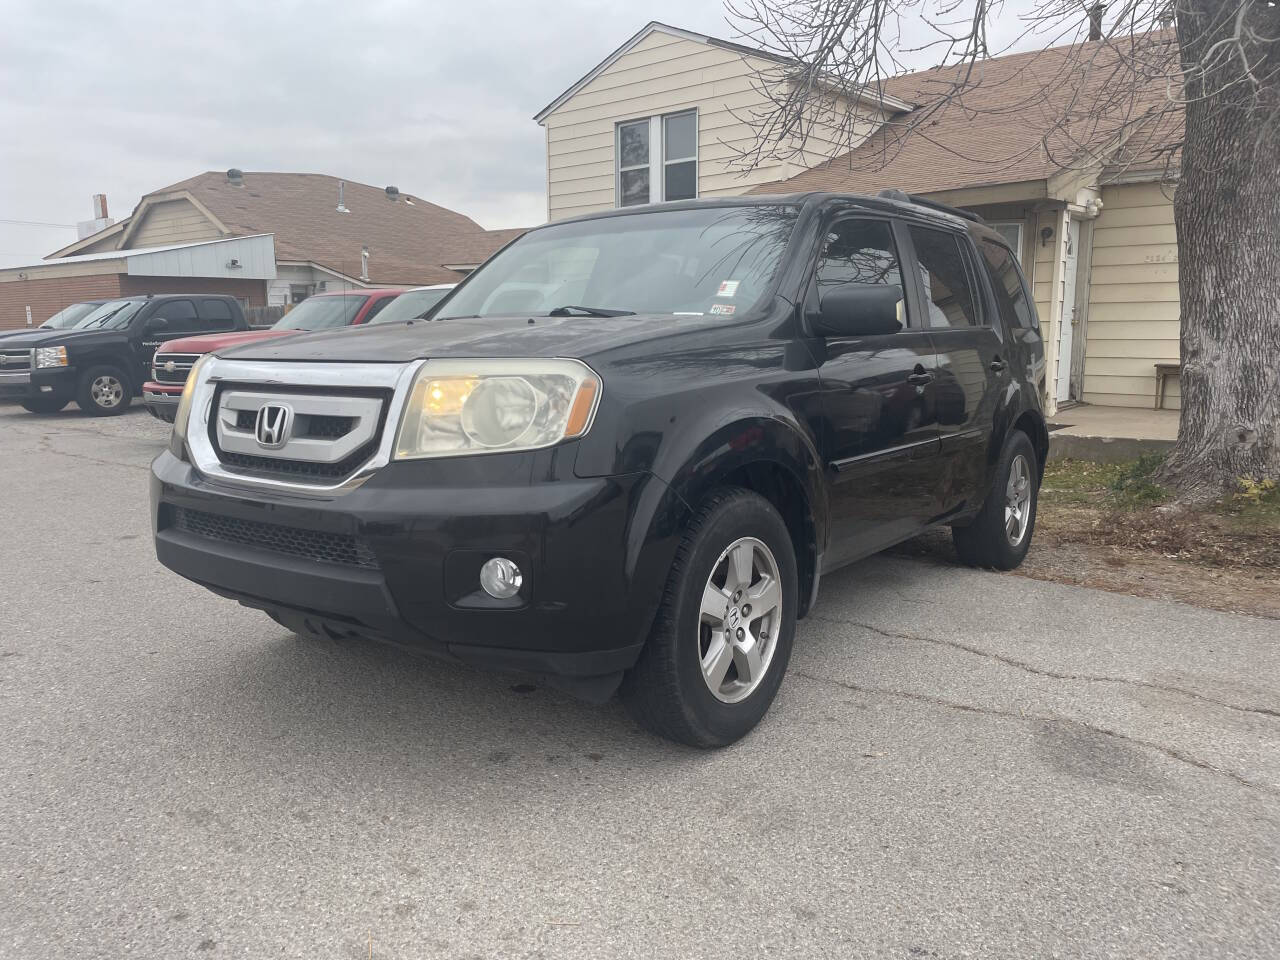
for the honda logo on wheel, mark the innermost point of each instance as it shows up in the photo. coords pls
(273, 424)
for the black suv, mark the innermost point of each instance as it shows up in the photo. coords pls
(103, 360)
(622, 453)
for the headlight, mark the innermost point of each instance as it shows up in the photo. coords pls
(51, 356)
(490, 406)
(183, 414)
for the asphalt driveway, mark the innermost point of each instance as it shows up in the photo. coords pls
(960, 764)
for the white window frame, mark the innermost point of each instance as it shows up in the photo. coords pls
(1017, 248)
(657, 161)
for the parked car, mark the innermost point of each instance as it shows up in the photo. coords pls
(64, 319)
(103, 360)
(414, 304)
(323, 311)
(626, 449)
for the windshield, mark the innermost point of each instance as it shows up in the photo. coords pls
(69, 316)
(112, 315)
(321, 313)
(717, 260)
(410, 306)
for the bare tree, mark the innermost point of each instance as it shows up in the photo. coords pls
(1191, 84)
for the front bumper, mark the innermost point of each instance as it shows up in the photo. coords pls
(422, 530)
(161, 400)
(32, 384)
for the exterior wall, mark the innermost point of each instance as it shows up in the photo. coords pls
(252, 291)
(662, 74)
(46, 297)
(103, 245)
(174, 221)
(1133, 299)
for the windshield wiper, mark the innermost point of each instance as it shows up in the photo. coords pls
(571, 309)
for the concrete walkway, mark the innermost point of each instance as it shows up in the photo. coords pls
(1109, 434)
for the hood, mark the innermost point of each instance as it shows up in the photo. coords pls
(479, 337)
(23, 339)
(208, 342)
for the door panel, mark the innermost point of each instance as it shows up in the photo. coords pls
(1066, 332)
(182, 322)
(880, 435)
(972, 368)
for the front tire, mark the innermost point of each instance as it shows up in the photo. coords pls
(1000, 535)
(45, 404)
(723, 634)
(104, 391)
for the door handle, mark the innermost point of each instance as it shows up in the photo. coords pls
(920, 378)
(997, 365)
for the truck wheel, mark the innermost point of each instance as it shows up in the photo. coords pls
(49, 404)
(1000, 534)
(722, 636)
(104, 392)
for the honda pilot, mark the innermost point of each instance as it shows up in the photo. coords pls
(624, 452)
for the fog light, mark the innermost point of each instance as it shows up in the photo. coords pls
(500, 578)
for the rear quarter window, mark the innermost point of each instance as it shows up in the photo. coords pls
(1009, 286)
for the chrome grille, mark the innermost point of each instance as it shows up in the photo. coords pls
(181, 363)
(12, 361)
(317, 545)
(328, 435)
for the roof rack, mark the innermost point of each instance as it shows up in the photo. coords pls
(903, 197)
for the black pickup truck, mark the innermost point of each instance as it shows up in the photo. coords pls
(623, 452)
(103, 360)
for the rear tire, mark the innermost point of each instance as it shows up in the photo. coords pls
(1000, 534)
(45, 404)
(722, 637)
(104, 391)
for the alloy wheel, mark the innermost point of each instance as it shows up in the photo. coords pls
(739, 619)
(1017, 500)
(107, 391)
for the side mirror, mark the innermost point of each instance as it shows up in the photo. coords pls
(156, 324)
(858, 310)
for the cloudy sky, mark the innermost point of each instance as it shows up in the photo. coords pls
(125, 96)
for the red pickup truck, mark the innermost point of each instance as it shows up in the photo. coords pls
(324, 311)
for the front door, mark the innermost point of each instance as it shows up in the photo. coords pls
(972, 362)
(1067, 329)
(879, 435)
(180, 319)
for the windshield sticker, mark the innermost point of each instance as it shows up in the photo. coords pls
(723, 309)
(729, 288)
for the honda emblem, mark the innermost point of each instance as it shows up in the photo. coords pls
(273, 424)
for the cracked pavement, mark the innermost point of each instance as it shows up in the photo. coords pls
(959, 764)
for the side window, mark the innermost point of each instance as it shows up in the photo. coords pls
(376, 309)
(947, 290)
(181, 315)
(215, 315)
(1011, 292)
(858, 251)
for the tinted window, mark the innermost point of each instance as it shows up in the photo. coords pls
(377, 308)
(947, 290)
(858, 251)
(707, 260)
(216, 315)
(1006, 280)
(181, 315)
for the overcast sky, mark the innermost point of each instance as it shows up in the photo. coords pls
(126, 96)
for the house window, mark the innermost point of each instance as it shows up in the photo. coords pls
(657, 159)
(1012, 233)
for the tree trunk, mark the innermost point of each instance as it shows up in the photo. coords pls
(1227, 212)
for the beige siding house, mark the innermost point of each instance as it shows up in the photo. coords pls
(1096, 241)
(662, 117)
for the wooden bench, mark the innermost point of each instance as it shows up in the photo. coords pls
(1163, 372)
